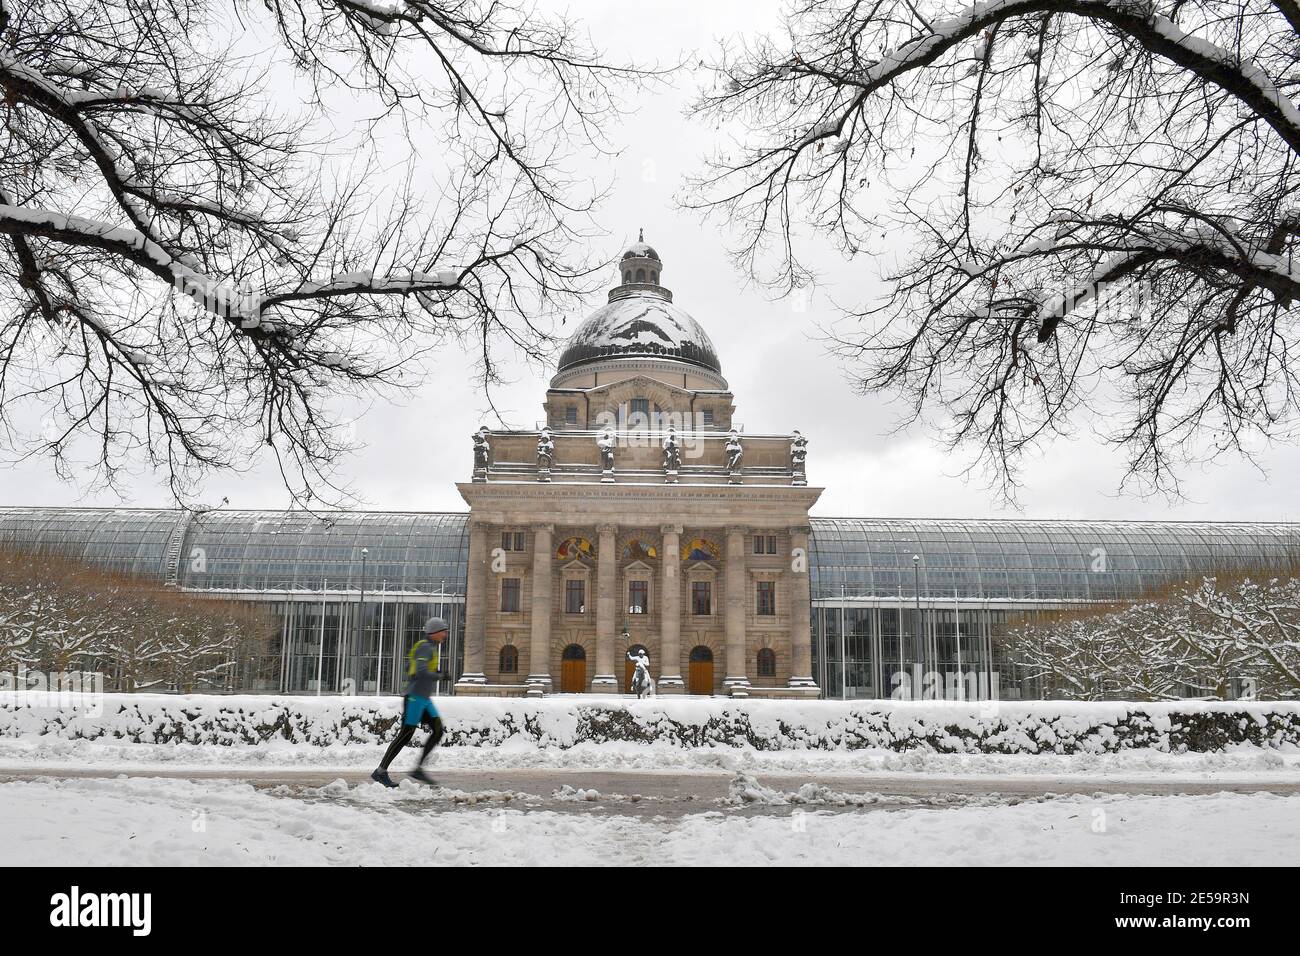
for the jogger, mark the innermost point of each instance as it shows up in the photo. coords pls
(417, 705)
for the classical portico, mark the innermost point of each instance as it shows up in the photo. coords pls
(641, 515)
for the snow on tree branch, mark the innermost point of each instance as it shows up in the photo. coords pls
(1084, 211)
(198, 260)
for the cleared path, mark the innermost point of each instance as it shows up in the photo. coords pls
(674, 794)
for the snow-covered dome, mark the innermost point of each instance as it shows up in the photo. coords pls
(640, 325)
(640, 250)
(640, 321)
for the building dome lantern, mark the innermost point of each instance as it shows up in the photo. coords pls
(640, 265)
(640, 322)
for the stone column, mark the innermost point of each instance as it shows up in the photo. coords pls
(737, 587)
(539, 654)
(800, 610)
(607, 604)
(477, 587)
(670, 611)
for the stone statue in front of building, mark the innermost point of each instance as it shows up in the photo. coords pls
(735, 452)
(672, 455)
(798, 459)
(545, 455)
(642, 685)
(482, 454)
(605, 444)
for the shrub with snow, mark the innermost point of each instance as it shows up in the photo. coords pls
(936, 726)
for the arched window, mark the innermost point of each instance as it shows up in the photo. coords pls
(766, 662)
(509, 661)
(654, 276)
(640, 275)
(627, 277)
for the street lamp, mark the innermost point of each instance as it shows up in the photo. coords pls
(356, 645)
(627, 639)
(916, 588)
(379, 658)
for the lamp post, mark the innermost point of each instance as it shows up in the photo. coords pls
(956, 620)
(627, 638)
(844, 654)
(379, 660)
(320, 656)
(902, 639)
(361, 606)
(916, 589)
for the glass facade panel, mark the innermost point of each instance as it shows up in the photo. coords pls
(971, 577)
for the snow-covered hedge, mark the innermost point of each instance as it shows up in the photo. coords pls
(948, 727)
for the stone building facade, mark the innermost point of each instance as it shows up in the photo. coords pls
(638, 516)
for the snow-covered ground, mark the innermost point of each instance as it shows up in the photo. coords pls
(151, 821)
(247, 781)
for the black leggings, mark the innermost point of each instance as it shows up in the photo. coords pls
(404, 737)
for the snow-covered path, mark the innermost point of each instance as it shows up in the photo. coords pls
(159, 821)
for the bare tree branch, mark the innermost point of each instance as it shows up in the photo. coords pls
(1087, 210)
(199, 266)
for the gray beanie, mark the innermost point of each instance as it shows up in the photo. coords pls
(434, 624)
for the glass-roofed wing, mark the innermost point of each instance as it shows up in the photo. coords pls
(1033, 561)
(256, 551)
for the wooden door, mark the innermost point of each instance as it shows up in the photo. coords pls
(573, 670)
(699, 676)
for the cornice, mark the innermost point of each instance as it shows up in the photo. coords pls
(596, 491)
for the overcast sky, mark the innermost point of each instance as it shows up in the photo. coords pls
(779, 373)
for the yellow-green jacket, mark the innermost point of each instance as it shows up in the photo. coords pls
(422, 667)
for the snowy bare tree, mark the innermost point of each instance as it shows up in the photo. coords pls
(204, 642)
(58, 614)
(202, 249)
(1126, 651)
(1262, 617)
(1090, 204)
(1195, 638)
(51, 615)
